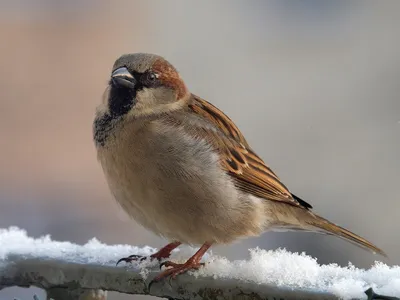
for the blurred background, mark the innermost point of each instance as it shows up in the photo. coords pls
(313, 85)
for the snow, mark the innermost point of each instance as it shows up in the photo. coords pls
(300, 271)
(15, 241)
(280, 267)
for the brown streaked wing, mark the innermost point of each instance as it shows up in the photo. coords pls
(248, 170)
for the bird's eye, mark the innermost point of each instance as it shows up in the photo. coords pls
(151, 76)
(149, 79)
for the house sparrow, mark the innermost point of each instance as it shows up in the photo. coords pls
(182, 169)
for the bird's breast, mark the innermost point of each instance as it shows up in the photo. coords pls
(173, 184)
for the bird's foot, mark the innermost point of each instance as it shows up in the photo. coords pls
(175, 269)
(138, 258)
(192, 263)
(164, 252)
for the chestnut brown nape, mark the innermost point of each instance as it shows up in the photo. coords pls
(169, 77)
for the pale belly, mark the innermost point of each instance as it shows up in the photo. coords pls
(177, 190)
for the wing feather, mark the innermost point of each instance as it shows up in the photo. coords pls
(247, 169)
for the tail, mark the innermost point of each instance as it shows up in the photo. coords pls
(324, 226)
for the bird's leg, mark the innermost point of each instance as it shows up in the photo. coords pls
(176, 269)
(164, 252)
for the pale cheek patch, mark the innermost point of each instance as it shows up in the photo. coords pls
(152, 102)
(145, 99)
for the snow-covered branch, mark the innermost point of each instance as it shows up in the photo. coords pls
(62, 266)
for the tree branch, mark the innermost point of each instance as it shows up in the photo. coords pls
(83, 272)
(52, 275)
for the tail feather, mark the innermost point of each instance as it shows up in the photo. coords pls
(324, 226)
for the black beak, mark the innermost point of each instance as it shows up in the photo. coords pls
(121, 77)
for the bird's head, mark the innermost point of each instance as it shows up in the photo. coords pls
(142, 85)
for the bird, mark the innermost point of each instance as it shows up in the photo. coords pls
(182, 169)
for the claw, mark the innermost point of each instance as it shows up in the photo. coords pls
(160, 254)
(150, 284)
(131, 258)
(372, 295)
(168, 264)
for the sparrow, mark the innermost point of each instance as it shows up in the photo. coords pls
(181, 168)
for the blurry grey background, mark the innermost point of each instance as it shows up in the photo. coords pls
(314, 86)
